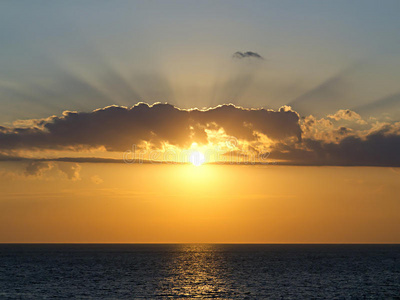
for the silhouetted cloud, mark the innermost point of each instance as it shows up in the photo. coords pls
(117, 128)
(247, 54)
(377, 148)
(339, 139)
(80, 160)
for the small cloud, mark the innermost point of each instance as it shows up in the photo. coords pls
(71, 170)
(37, 168)
(248, 54)
(96, 179)
(347, 114)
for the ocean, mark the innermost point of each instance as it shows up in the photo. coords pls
(204, 271)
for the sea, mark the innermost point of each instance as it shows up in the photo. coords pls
(203, 271)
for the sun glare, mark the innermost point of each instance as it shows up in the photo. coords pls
(197, 158)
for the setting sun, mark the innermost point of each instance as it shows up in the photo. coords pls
(197, 158)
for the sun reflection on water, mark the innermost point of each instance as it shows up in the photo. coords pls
(195, 271)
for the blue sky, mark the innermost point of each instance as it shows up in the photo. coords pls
(320, 56)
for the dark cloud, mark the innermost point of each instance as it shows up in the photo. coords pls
(379, 148)
(248, 54)
(290, 140)
(80, 160)
(117, 128)
(240, 77)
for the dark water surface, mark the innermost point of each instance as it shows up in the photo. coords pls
(199, 271)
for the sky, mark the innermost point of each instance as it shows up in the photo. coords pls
(200, 121)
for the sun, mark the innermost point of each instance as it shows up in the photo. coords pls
(197, 158)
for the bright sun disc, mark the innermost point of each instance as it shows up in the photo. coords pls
(197, 158)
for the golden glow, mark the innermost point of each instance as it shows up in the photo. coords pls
(182, 203)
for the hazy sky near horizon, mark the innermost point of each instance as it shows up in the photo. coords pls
(315, 105)
(208, 204)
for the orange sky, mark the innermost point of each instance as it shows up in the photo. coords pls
(212, 203)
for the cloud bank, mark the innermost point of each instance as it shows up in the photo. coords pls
(117, 128)
(340, 139)
(378, 148)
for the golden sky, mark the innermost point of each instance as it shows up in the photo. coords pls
(211, 203)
